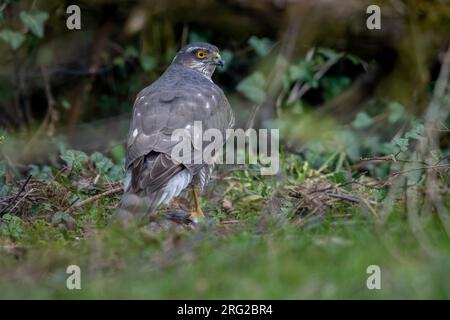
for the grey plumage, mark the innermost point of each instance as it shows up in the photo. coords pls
(183, 94)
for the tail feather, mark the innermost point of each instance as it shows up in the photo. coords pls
(141, 198)
(131, 205)
(135, 205)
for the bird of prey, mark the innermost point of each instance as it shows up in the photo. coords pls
(183, 94)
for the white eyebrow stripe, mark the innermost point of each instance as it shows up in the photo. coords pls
(194, 48)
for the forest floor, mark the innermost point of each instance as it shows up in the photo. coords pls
(301, 237)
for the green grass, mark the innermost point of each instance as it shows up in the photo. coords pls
(257, 249)
(266, 260)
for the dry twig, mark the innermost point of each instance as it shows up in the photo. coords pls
(80, 204)
(16, 197)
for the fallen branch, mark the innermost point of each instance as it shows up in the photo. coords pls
(345, 197)
(94, 198)
(391, 158)
(420, 168)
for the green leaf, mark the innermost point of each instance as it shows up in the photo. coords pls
(262, 46)
(12, 228)
(354, 59)
(116, 173)
(330, 54)
(102, 163)
(74, 159)
(2, 168)
(44, 172)
(118, 153)
(416, 132)
(362, 120)
(396, 112)
(5, 190)
(148, 62)
(119, 61)
(253, 87)
(131, 52)
(251, 198)
(402, 143)
(34, 20)
(57, 218)
(65, 104)
(303, 71)
(13, 38)
(334, 85)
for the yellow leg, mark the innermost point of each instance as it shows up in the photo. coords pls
(198, 213)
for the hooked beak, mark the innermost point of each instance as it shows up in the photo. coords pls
(217, 59)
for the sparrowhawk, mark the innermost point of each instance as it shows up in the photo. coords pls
(183, 94)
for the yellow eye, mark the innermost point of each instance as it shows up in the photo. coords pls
(201, 54)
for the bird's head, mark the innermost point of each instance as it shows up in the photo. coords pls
(200, 56)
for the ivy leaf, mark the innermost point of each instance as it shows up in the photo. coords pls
(65, 104)
(2, 168)
(44, 172)
(402, 143)
(262, 46)
(131, 52)
(396, 112)
(416, 132)
(334, 85)
(253, 87)
(119, 61)
(251, 198)
(362, 120)
(13, 38)
(4, 190)
(116, 173)
(74, 159)
(102, 163)
(354, 59)
(330, 54)
(304, 71)
(118, 153)
(34, 20)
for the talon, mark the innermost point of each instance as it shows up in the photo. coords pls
(196, 216)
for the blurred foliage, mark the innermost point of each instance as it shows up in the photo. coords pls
(291, 255)
(352, 107)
